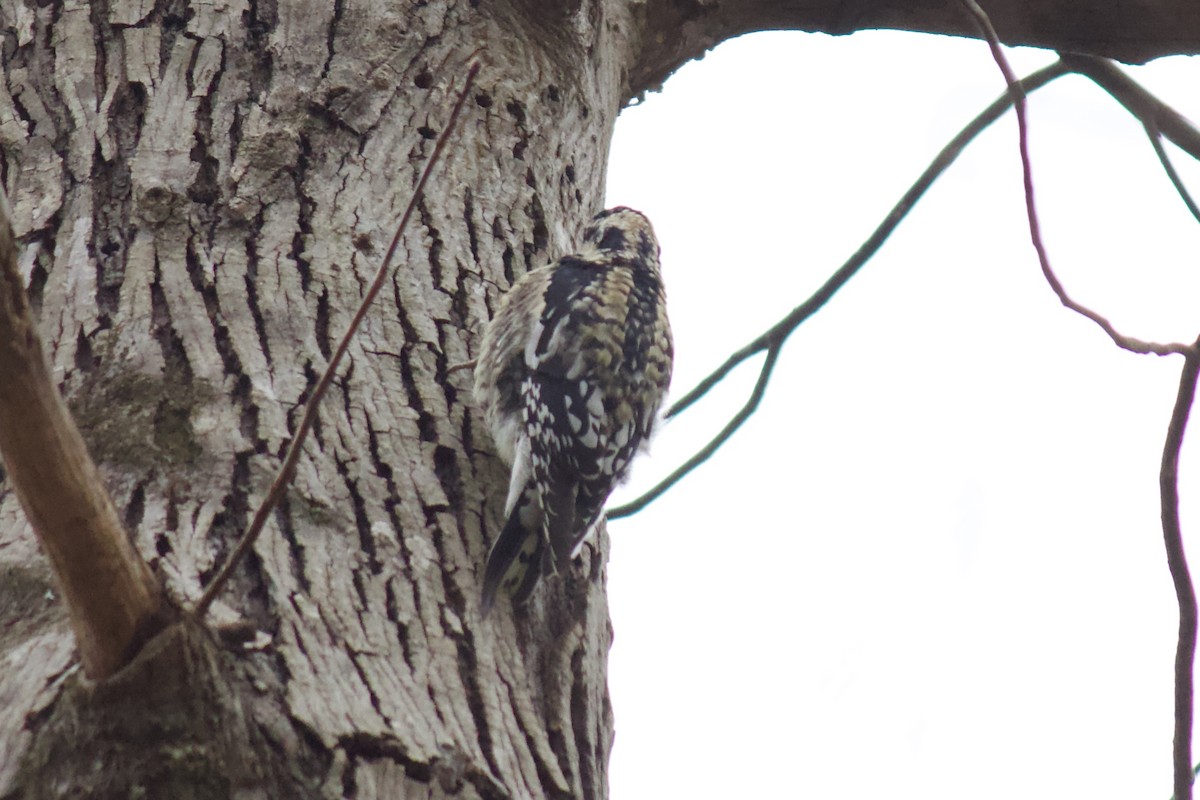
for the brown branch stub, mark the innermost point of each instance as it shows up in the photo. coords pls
(113, 600)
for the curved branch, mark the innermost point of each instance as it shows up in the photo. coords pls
(773, 339)
(781, 329)
(1158, 118)
(1152, 111)
(1168, 476)
(1137, 100)
(706, 452)
(113, 600)
(1129, 343)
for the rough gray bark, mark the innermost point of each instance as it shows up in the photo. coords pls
(202, 191)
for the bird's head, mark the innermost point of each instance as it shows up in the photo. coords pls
(622, 231)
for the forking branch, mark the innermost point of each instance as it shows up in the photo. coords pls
(773, 339)
(1168, 476)
(1159, 121)
(1159, 118)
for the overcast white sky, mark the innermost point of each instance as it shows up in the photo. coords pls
(931, 566)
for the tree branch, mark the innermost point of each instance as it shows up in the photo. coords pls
(1155, 137)
(113, 600)
(1035, 235)
(1185, 651)
(1158, 118)
(781, 329)
(676, 32)
(292, 456)
(773, 339)
(1137, 100)
(1195, 772)
(706, 452)
(1185, 593)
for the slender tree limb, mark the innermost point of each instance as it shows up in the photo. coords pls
(1169, 472)
(773, 339)
(870, 247)
(1155, 137)
(1137, 100)
(1185, 593)
(1035, 235)
(292, 456)
(1129, 92)
(1158, 118)
(113, 600)
(706, 452)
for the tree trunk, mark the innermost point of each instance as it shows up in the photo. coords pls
(203, 192)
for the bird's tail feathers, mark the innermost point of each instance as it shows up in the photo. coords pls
(515, 562)
(576, 524)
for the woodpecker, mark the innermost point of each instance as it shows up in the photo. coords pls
(571, 375)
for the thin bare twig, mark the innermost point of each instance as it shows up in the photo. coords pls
(1137, 100)
(1185, 593)
(1168, 474)
(1155, 137)
(773, 339)
(1125, 342)
(907, 202)
(284, 477)
(756, 396)
(1158, 118)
